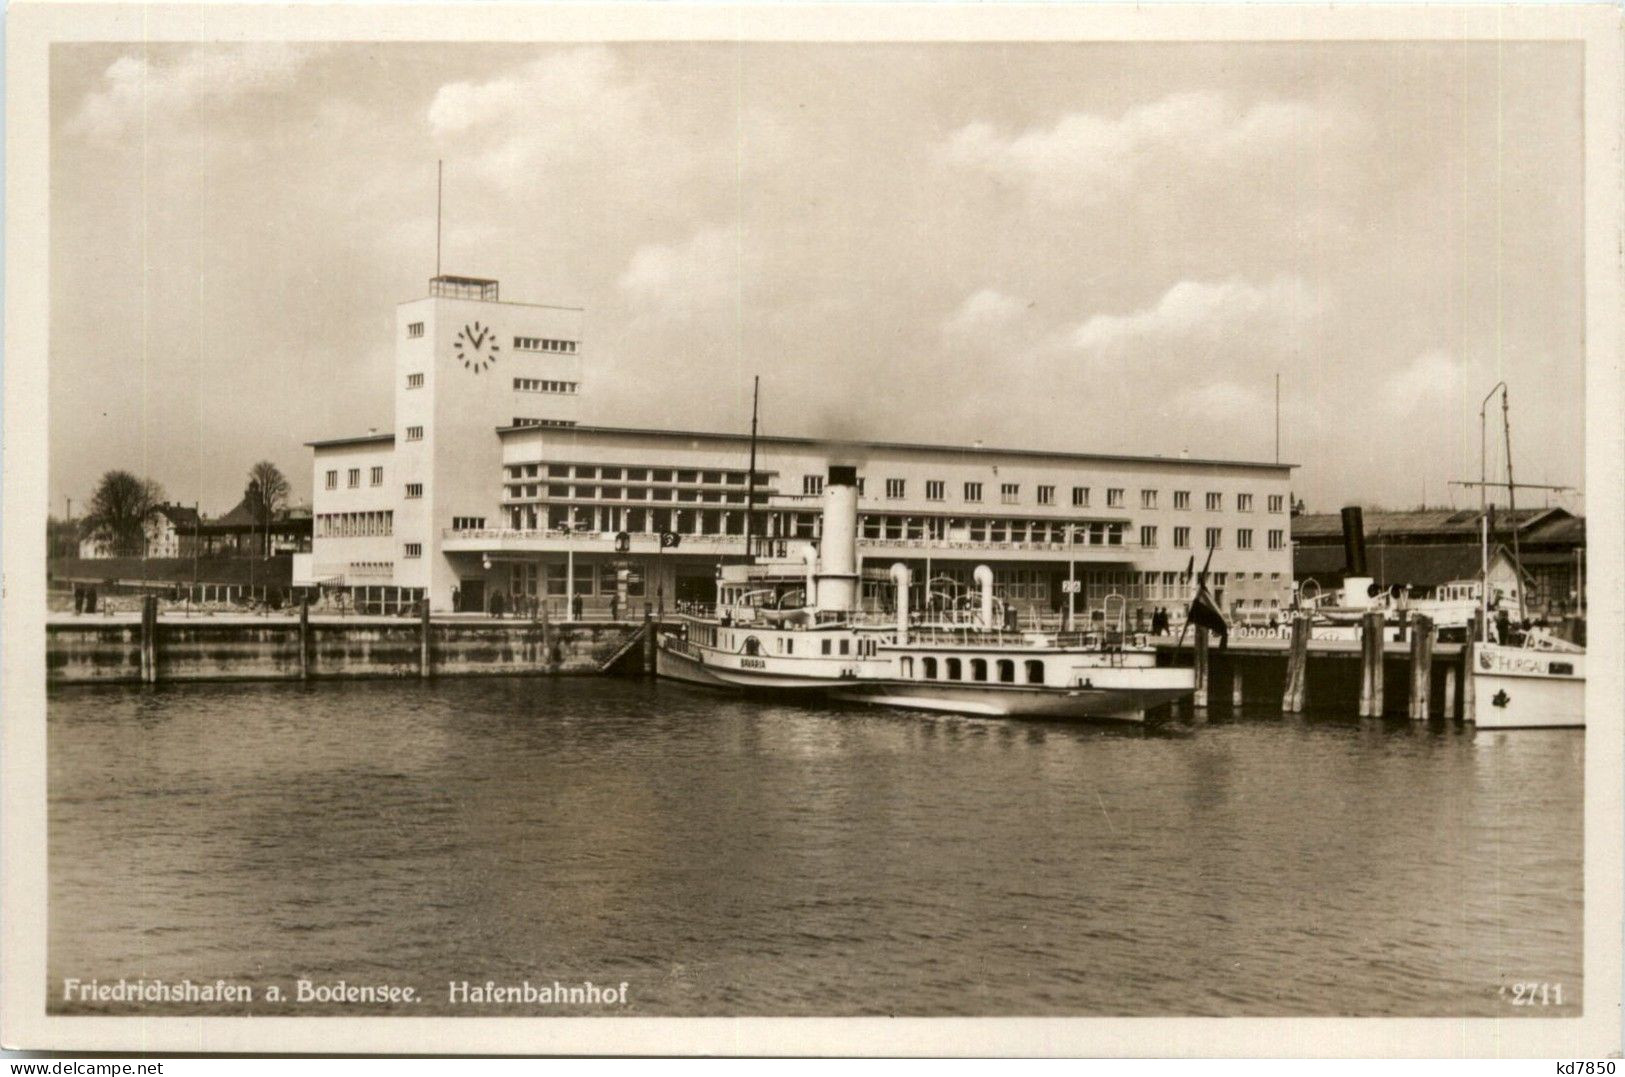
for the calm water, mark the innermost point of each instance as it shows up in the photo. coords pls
(728, 857)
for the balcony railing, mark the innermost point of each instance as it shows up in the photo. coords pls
(788, 548)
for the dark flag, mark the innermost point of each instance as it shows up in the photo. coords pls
(1205, 612)
(669, 539)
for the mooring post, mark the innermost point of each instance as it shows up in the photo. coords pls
(1235, 684)
(1371, 654)
(547, 637)
(1297, 667)
(1422, 635)
(149, 639)
(304, 638)
(648, 640)
(1450, 691)
(1200, 699)
(425, 650)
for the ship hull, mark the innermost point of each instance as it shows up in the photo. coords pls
(1520, 688)
(1058, 704)
(1122, 694)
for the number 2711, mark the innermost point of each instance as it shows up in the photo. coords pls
(1534, 994)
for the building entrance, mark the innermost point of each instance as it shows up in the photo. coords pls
(470, 597)
(696, 588)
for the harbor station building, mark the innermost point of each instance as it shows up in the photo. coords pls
(492, 489)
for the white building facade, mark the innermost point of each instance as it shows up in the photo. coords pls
(491, 484)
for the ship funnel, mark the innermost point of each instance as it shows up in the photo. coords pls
(809, 555)
(838, 560)
(1353, 541)
(899, 576)
(984, 578)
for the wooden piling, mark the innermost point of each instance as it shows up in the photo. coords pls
(547, 638)
(1236, 691)
(425, 650)
(1371, 651)
(1423, 634)
(1450, 691)
(1297, 668)
(149, 639)
(304, 639)
(649, 641)
(1200, 699)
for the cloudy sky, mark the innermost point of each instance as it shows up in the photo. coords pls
(1085, 247)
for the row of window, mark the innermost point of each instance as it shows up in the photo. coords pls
(353, 478)
(355, 524)
(520, 491)
(1010, 494)
(524, 421)
(540, 344)
(683, 476)
(584, 577)
(1213, 538)
(542, 385)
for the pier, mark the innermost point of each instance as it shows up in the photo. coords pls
(1415, 676)
(145, 646)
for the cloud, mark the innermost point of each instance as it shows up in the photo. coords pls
(1225, 400)
(1434, 379)
(983, 315)
(1205, 313)
(550, 111)
(138, 89)
(680, 282)
(1086, 157)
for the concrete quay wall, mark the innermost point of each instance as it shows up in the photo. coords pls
(96, 651)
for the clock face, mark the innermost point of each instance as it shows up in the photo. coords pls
(476, 345)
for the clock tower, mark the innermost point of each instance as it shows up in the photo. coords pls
(468, 363)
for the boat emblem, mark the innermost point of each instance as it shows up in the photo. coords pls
(1501, 698)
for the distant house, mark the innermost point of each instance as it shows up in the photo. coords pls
(169, 532)
(1424, 549)
(240, 532)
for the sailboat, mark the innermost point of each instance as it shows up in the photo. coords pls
(1539, 681)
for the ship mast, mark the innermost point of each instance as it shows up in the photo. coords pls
(1512, 503)
(750, 477)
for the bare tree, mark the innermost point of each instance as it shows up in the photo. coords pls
(120, 509)
(267, 496)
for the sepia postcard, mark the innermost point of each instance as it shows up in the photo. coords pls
(813, 530)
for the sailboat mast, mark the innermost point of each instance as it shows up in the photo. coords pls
(750, 478)
(1512, 503)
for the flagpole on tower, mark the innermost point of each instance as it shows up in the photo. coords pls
(439, 187)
